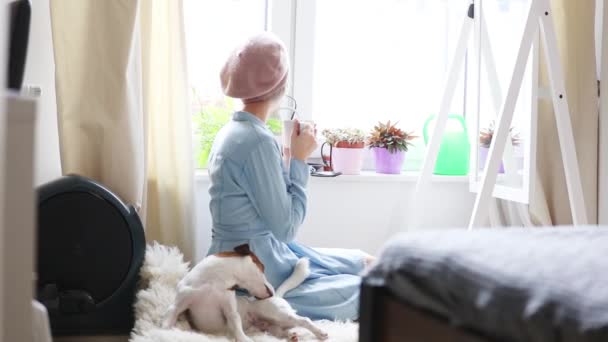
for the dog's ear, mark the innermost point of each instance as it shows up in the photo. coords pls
(243, 249)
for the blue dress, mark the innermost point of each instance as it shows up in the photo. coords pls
(255, 200)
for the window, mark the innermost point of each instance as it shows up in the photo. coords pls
(213, 28)
(383, 60)
(354, 62)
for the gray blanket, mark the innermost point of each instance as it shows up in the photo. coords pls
(541, 284)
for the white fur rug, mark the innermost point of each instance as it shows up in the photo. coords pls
(163, 268)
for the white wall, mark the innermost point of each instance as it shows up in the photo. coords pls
(40, 71)
(357, 213)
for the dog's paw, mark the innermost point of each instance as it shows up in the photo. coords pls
(168, 321)
(322, 335)
(292, 337)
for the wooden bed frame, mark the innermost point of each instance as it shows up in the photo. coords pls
(386, 318)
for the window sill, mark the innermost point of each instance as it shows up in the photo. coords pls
(365, 177)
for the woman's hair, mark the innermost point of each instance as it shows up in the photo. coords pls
(275, 94)
(279, 93)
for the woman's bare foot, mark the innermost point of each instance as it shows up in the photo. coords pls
(368, 260)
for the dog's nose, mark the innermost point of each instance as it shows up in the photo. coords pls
(269, 291)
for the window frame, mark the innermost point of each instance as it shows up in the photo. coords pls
(294, 22)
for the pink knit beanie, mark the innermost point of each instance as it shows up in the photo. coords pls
(257, 70)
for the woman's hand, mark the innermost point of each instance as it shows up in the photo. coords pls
(303, 141)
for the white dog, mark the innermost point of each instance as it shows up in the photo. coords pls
(208, 293)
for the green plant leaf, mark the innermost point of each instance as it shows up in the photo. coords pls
(206, 125)
(275, 126)
(390, 136)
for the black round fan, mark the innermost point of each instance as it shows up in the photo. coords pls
(90, 249)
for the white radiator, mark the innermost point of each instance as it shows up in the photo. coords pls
(17, 209)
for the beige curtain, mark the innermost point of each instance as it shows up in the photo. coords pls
(574, 22)
(169, 200)
(98, 96)
(123, 106)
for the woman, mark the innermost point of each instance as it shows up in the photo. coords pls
(255, 200)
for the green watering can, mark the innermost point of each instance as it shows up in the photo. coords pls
(453, 157)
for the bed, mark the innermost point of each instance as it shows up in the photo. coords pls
(542, 284)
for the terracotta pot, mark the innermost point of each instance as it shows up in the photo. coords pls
(346, 144)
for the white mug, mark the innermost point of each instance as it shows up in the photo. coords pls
(307, 124)
(290, 125)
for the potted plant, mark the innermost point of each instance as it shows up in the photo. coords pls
(485, 140)
(389, 145)
(346, 149)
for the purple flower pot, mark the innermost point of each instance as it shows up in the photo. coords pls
(483, 157)
(387, 162)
